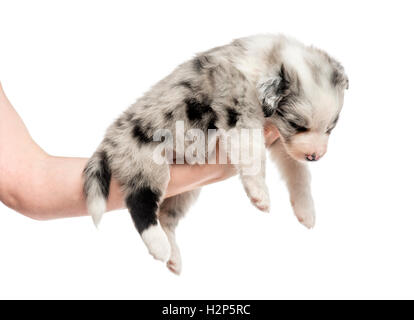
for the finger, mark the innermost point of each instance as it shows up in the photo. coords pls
(271, 133)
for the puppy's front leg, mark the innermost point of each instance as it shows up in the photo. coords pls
(298, 178)
(251, 167)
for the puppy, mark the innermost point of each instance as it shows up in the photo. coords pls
(238, 86)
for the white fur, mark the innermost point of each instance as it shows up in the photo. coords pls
(96, 208)
(298, 181)
(304, 210)
(253, 64)
(174, 264)
(256, 190)
(157, 243)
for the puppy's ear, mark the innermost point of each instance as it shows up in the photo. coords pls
(272, 90)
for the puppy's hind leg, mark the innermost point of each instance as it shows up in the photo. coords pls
(171, 211)
(144, 196)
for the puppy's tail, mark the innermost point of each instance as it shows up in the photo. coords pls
(97, 177)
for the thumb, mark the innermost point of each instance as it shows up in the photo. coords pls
(271, 133)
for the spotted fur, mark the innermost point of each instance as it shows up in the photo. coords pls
(240, 85)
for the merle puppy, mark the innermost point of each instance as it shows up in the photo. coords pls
(237, 86)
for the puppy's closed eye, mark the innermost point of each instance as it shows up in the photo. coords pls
(298, 128)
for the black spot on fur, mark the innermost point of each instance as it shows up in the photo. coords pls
(268, 110)
(168, 115)
(280, 113)
(232, 117)
(338, 78)
(200, 63)
(200, 113)
(197, 64)
(143, 206)
(187, 84)
(196, 109)
(140, 132)
(103, 175)
(212, 121)
(284, 83)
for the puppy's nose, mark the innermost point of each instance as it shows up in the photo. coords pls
(312, 157)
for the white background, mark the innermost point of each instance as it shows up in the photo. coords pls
(71, 67)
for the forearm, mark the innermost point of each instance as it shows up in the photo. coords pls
(52, 187)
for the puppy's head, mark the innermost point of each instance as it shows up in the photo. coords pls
(304, 100)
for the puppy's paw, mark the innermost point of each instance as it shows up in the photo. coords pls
(261, 202)
(174, 265)
(157, 243)
(305, 213)
(259, 196)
